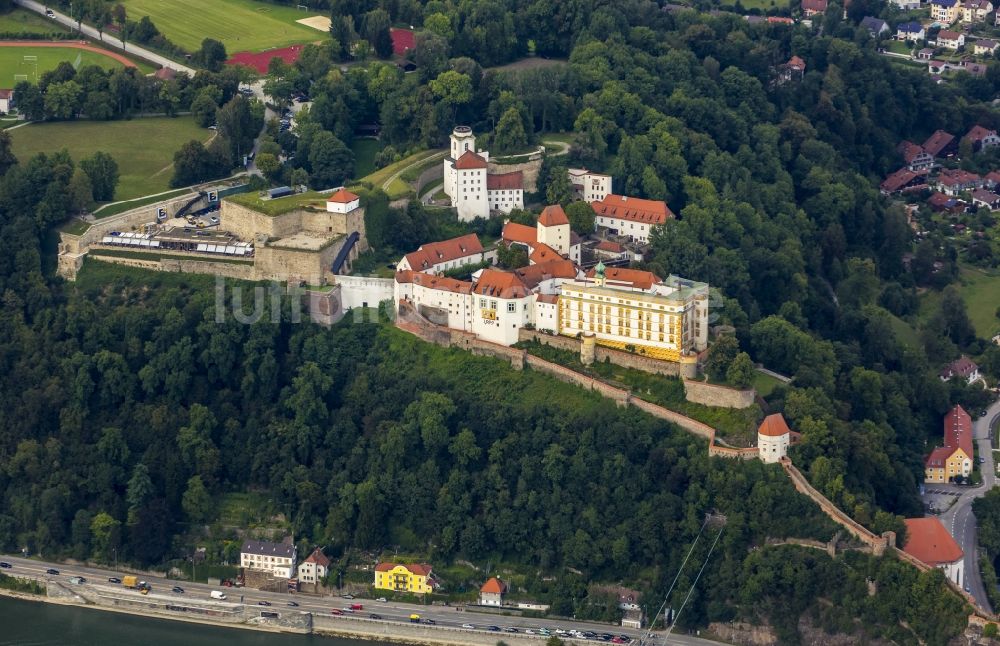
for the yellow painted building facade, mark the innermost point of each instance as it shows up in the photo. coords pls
(957, 464)
(661, 326)
(415, 579)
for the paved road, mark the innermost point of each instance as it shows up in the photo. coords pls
(442, 615)
(959, 519)
(107, 38)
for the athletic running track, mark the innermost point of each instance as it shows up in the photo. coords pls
(71, 44)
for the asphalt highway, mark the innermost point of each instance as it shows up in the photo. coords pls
(445, 616)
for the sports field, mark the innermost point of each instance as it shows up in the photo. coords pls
(143, 148)
(13, 67)
(241, 25)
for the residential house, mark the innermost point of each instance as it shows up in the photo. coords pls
(414, 578)
(910, 31)
(954, 458)
(628, 599)
(315, 568)
(6, 100)
(963, 367)
(925, 54)
(276, 559)
(631, 216)
(916, 158)
(992, 179)
(955, 181)
(981, 137)
(793, 70)
(608, 250)
(812, 7)
(927, 540)
(985, 47)
(773, 438)
(491, 594)
(875, 26)
(941, 203)
(439, 257)
(907, 5)
(782, 20)
(903, 181)
(975, 10)
(950, 39)
(985, 199)
(634, 618)
(945, 11)
(941, 144)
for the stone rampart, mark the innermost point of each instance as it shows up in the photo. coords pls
(529, 168)
(127, 221)
(700, 392)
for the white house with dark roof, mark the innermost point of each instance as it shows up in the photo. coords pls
(910, 31)
(276, 559)
(473, 190)
(875, 26)
(975, 10)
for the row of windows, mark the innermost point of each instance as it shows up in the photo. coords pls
(472, 181)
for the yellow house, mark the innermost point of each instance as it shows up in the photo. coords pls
(955, 457)
(414, 578)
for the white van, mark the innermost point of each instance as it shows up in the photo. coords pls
(221, 596)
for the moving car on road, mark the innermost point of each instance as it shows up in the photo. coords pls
(468, 626)
(5, 565)
(263, 603)
(52, 571)
(177, 589)
(336, 611)
(292, 604)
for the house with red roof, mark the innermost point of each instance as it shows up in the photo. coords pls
(439, 257)
(631, 217)
(954, 457)
(415, 578)
(963, 368)
(813, 7)
(491, 594)
(6, 100)
(941, 144)
(916, 158)
(981, 138)
(954, 181)
(315, 568)
(476, 192)
(903, 181)
(552, 231)
(927, 540)
(403, 40)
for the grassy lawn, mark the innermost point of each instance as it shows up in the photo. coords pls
(904, 332)
(12, 61)
(143, 148)
(23, 21)
(764, 384)
(121, 207)
(897, 47)
(241, 25)
(379, 177)
(75, 227)
(981, 292)
(280, 205)
(364, 155)
(152, 255)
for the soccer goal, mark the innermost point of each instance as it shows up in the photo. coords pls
(302, 7)
(20, 77)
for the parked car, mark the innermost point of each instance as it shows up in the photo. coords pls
(49, 13)
(336, 611)
(381, 600)
(213, 127)
(5, 565)
(114, 579)
(52, 571)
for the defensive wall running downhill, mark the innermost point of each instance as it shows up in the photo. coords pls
(411, 321)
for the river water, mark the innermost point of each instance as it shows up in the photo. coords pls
(29, 623)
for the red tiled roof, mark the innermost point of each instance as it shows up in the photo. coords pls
(928, 541)
(551, 299)
(636, 277)
(494, 586)
(796, 63)
(947, 34)
(938, 142)
(978, 133)
(552, 216)
(543, 253)
(774, 425)
(534, 274)
(909, 150)
(957, 435)
(318, 557)
(983, 195)
(6, 94)
(505, 181)
(514, 232)
(992, 176)
(814, 5)
(633, 209)
(607, 245)
(501, 284)
(434, 253)
(470, 160)
(434, 282)
(898, 180)
(420, 569)
(954, 177)
(963, 367)
(165, 73)
(342, 196)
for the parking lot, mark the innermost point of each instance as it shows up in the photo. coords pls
(937, 498)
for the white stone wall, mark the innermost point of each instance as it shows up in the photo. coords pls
(498, 319)
(357, 291)
(471, 195)
(556, 237)
(506, 200)
(638, 231)
(546, 317)
(772, 449)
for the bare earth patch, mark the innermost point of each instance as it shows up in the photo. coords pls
(321, 23)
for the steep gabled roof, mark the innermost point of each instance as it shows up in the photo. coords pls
(342, 196)
(633, 209)
(318, 557)
(938, 141)
(774, 425)
(470, 160)
(434, 253)
(514, 232)
(552, 216)
(928, 541)
(494, 586)
(534, 274)
(500, 284)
